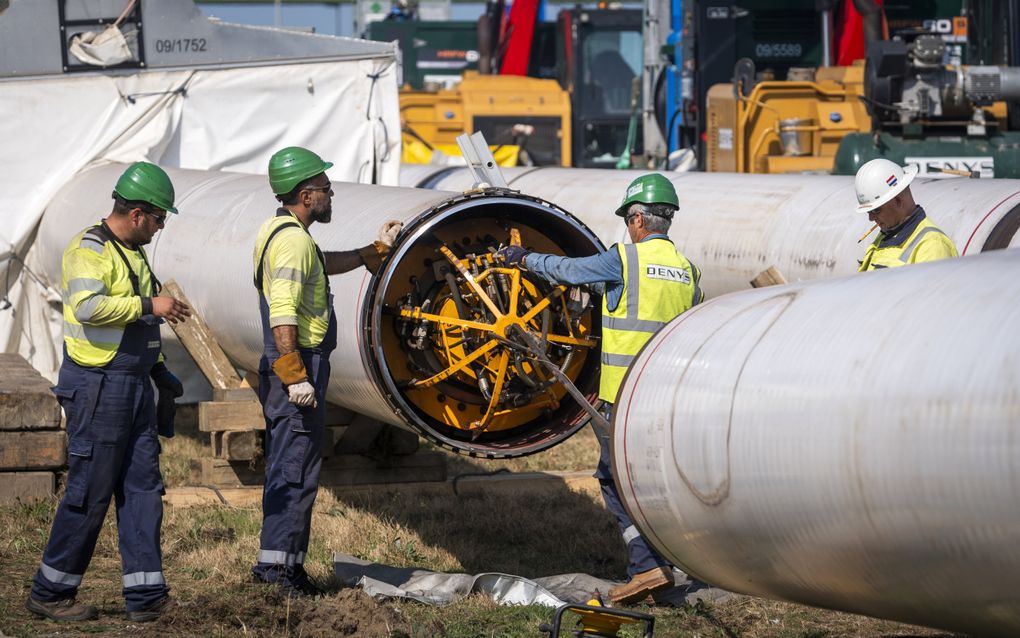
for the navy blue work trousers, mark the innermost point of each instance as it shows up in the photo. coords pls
(293, 460)
(641, 557)
(113, 451)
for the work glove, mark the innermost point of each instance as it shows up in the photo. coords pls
(513, 255)
(388, 232)
(302, 394)
(291, 371)
(290, 368)
(373, 256)
(169, 387)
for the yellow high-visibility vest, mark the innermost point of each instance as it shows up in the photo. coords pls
(99, 299)
(658, 284)
(926, 243)
(293, 280)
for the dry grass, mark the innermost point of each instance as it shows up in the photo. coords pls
(208, 552)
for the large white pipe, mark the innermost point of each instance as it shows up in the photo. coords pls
(208, 250)
(733, 226)
(851, 444)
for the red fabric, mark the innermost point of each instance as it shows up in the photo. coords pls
(521, 32)
(849, 34)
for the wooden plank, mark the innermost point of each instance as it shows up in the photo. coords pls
(29, 409)
(33, 450)
(509, 483)
(385, 474)
(344, 469)
(200, 343)
(218, 416)
(331, 436)
(237, 446)
(244, 393)
(26, 486)
(26, 402)
(768, 277)
(220, 472)
(338, 415)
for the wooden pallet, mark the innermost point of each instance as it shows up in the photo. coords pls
(33, 448)
(235, 425)
(338, 470)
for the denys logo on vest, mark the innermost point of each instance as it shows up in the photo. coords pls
(669, 273)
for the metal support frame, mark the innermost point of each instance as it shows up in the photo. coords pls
(134, 17)
(484, 170)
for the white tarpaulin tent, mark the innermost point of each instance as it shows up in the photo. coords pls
(229, 116)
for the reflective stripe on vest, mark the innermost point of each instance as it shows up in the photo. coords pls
(293, 281)
(658, 284)
(102, 290)
(900, 255)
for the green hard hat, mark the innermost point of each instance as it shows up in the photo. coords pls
(145, 182)
(290, 166)
(649, 189)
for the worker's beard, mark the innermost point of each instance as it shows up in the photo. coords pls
(323, 214)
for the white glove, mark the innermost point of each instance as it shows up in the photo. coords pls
(302, 394)
(388, 231)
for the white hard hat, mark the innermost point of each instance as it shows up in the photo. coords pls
(879, 181)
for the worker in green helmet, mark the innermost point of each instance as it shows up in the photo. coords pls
(112, 313)
(299, 333)
(644, 285)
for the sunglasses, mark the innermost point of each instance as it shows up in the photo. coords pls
(328, 187)
(159, 219)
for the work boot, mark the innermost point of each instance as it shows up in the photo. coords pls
(302, 584)
(641, 586)
(299, 584)
(153, 611)
(66, 610)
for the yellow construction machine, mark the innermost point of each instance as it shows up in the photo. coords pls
(516, 105)
(790, 126)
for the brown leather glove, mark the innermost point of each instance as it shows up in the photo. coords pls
(373, 256)
(290, 368)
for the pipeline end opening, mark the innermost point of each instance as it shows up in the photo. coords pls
(446, 324)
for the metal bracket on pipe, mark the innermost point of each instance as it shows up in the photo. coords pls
(483, 167)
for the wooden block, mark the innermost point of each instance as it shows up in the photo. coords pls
(26, 402)
(218, 416)
(354, 469)
(234, 394)
(338, 415)
(331, 436)
(200, 343)
(361, 434)
(26, 486)
(33, 450)
(219, 472)
(768, 277)
(29, 408)
(345, 469)
(236, 445)
(397, 441)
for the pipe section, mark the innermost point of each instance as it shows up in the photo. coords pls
(388, 357)
(849, 444)
(733, 226)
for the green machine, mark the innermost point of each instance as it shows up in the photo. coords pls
(936, 93)
(435, 53)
